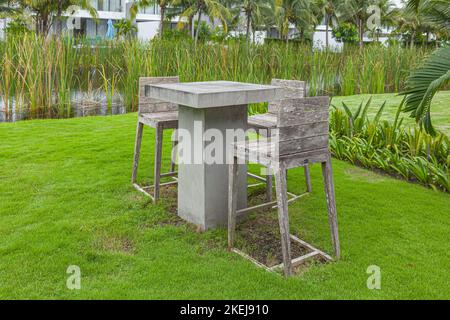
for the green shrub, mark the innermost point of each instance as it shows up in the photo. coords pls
(406, 152)
(346, 33)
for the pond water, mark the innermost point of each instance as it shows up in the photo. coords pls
(82, 104)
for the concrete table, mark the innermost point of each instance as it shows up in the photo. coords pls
(219, 105)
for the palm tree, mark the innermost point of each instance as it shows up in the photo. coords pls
(254, 11)
(423, 83)
(434, 15)
(357, 11)
(306, 18)
(388, 16)
(163, 6)
(46, 12)
(6, 7)
(328, 9)
(411, 21)
(125, 28)
(214, 9)
(287, 12)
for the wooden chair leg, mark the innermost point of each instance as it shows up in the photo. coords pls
(158, 156)
(308, 178)
(327, 173)
(283, 218)
(232, 202)
(269, 178)
(269, 185)
(137, 151)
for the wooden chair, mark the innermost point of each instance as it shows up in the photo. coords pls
(302, 138)
(161, 116)
(268, 121)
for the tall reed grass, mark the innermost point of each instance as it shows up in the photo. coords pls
(39, 76)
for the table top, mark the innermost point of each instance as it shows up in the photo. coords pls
(213, 93)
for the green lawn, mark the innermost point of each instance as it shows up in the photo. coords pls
(66, 199)
(440, 107)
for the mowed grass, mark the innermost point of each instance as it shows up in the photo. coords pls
(439, 108)
(66, 199)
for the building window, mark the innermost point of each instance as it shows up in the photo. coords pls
(108, 5)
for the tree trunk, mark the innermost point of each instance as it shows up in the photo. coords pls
(249, 18)
(37, 26)
(254, 35)
(198, 26)
(287, 32)
(191, 26)
(59, 19)
(361, 33)
(161, 22)
(413, 36)
(327, 41)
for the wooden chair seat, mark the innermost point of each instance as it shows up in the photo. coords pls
(166, 120)
(263, 121)
(292, 89)
(265, 152)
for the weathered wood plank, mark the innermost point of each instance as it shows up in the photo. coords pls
(256, 262)
(265, 120)
(301, 159)
(295, 112)
(283, 217)
(291, 89)
(138, 188)
(149, 105)
(169, 120)
(303, 131)
(291, 119)
(297, 261)
(331, 202)
(137, 151)
(303, 145)
(257, 207)
(308, 246)
(158, 156)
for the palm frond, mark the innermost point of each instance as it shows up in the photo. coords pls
(423, 83)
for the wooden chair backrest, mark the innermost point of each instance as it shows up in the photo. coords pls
(291, 89)
(303, 125)
(149, 105)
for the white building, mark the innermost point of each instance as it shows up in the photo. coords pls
(147, 19)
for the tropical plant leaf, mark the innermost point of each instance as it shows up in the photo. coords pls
(423, 83)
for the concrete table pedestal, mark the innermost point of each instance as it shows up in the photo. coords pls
(211, 108)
